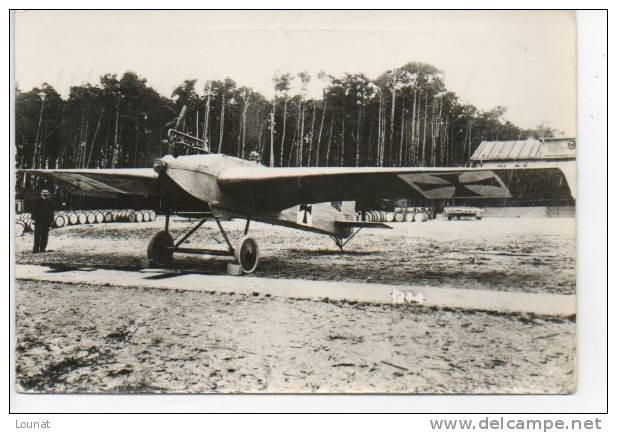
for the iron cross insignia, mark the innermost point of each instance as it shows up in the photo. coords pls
(304, 214)
(458, 185)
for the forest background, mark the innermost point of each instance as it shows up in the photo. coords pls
(404, 117)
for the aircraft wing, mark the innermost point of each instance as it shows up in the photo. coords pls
(285, 187)
(116, 182)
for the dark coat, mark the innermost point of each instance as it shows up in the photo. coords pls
(43, 211)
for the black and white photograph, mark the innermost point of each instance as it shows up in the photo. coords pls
(295, 202)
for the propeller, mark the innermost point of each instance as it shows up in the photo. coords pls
(180, 117)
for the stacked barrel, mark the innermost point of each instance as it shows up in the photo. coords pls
(24, 221)
(398, 215)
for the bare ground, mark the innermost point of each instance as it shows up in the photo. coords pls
(531, 255)
(107, 339)
(81, 338)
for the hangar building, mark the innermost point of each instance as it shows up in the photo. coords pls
(559, 152)
(525, 153)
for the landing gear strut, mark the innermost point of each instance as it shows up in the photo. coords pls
(341, 242)
(162, 246)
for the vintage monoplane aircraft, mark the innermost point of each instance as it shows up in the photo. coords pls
(317, 199)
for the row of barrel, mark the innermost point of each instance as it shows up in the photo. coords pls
(399, 215)
(24, 221)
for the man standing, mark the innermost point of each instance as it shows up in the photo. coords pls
(43, 216)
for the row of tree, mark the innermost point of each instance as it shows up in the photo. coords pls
(404, 117)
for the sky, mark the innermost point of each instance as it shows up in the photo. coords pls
(523, 60)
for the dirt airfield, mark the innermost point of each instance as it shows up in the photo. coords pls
(84, 338)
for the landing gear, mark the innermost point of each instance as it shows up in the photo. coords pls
(162, 246)
(247, 254)
(341, 242)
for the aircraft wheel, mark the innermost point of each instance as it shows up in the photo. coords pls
(157, 248)
(247, 254)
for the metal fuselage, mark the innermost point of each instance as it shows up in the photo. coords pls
(189, 182)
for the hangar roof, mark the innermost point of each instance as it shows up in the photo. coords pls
(516, 150)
